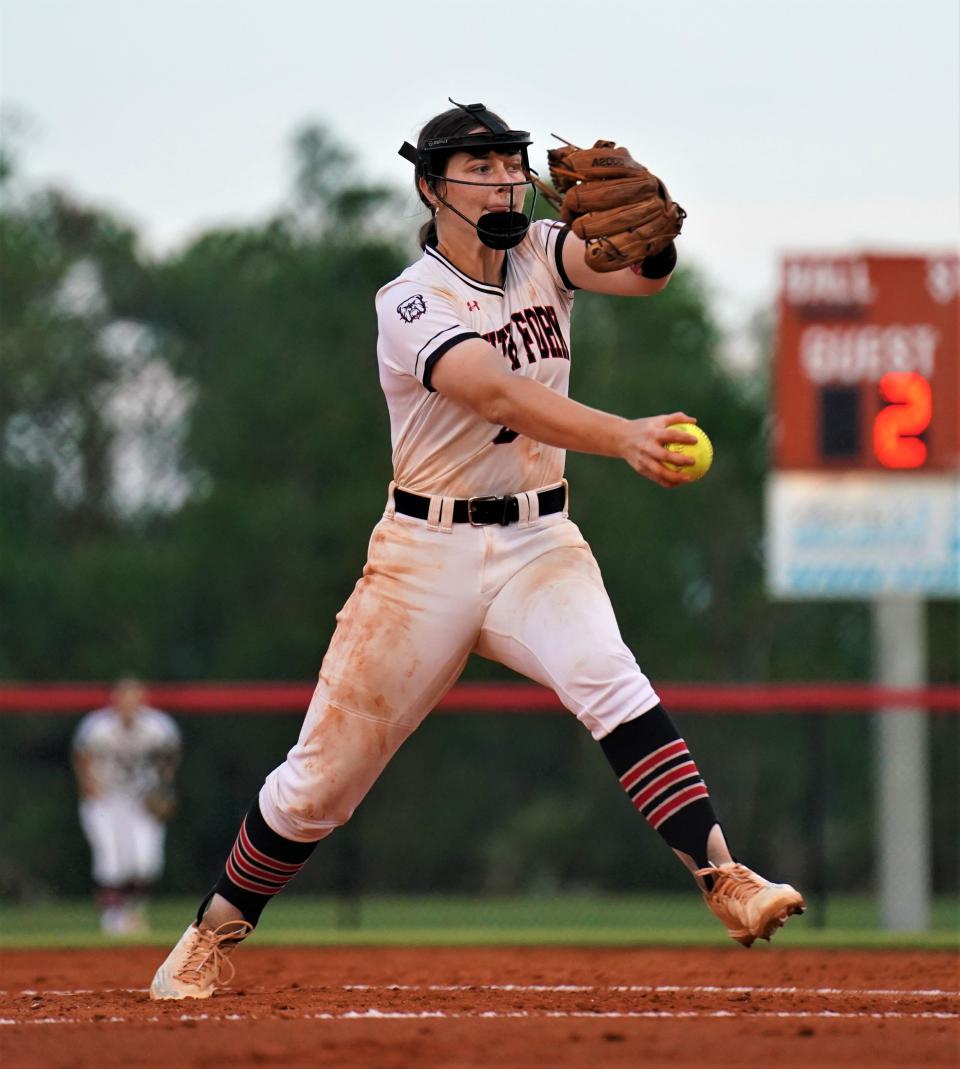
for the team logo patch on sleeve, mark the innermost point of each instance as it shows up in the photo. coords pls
(412, 308)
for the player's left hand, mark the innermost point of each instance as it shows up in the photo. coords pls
(161, 804)
(644, 448)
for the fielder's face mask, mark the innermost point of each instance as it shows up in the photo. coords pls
(497, 230)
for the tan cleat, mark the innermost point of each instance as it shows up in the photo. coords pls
(198, 964)
(750, 906)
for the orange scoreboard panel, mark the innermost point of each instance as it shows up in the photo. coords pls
(866, 372)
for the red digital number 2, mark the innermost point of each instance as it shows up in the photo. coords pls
(907, 414)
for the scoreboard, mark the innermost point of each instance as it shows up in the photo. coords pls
(863, 500)
(867, 364)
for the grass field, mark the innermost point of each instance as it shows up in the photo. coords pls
(608, 920)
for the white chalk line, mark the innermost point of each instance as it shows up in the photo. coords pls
(660, 989)
(638, 989)
(400, 1015)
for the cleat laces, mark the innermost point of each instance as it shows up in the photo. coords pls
(735, 881)
(209, 953)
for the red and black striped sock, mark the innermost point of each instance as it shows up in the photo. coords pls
(657, 772)
(260, 864)
(111, 897)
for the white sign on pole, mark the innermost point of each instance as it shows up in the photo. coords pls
(862, 535)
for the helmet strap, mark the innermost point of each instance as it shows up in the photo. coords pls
(497, 230)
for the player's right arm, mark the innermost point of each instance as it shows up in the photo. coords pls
(81, 755)
(87, 783)
(472, 374)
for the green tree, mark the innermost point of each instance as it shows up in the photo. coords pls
(287, 438)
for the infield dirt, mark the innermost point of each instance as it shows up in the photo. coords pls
(509, 1008)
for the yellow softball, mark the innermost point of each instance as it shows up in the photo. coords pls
(702, 452)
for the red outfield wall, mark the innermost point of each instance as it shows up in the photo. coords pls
(275, 697)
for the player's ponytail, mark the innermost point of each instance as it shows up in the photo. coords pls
(428, 234)
(452, 123)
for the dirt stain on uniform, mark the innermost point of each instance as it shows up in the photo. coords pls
(342, 754)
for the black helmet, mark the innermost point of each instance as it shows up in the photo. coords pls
(497, 230)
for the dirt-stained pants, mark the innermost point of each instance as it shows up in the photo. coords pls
(529, 595)
(126, 842)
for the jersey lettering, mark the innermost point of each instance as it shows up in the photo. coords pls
(539, 325)
(557, 331)
(534, 324)
(525, 336)
(511, 349)
(551, 329)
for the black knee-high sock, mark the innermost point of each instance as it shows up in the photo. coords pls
(260, 864)
(657, 772)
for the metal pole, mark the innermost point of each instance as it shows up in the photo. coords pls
(902, 763)
(817, 806)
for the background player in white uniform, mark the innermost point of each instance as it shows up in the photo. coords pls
(475, 551)
(125, 756)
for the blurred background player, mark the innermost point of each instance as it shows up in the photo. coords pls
(125, 757)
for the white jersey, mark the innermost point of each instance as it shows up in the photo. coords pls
(125, 759)
(440, 447)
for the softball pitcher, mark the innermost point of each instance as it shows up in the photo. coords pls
(476, 552)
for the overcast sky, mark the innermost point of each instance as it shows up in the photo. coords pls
(778, 124)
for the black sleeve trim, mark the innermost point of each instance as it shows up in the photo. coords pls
(439, 351)
(428, 341)
(558, 255)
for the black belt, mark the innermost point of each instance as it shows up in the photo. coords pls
(481, 511)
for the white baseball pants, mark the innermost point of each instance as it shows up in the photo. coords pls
(126, 842)
(529, 595)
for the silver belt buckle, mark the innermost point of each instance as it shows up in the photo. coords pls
(470, 504)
